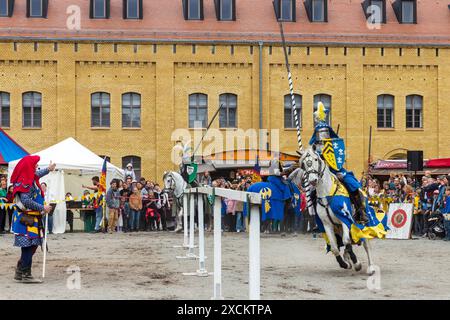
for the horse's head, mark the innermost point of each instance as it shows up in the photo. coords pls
(169, 181)
(312, 166)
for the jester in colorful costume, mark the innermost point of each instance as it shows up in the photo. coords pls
(29, 209)
(332, 150)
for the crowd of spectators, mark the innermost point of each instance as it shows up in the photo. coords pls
(132, 206)
(430, 198)
(142, 205)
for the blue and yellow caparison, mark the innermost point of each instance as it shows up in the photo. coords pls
(339, 202)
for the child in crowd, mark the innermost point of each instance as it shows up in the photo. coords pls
(124, 210)
(136, 207)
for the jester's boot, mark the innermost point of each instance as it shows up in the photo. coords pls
(18, 275)
(358, 201)
(27, 277)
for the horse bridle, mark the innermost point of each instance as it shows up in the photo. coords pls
(320, 172)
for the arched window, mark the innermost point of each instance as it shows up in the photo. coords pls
(326, 100)
(100, 110)
(32, 110)
(289, 120)
(414, 111)
(198, 110)
(4, 110)
(385, 111)
(228, 110)
(131, 110)
(136, 162)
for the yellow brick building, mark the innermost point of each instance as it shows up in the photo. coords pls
(66, 71)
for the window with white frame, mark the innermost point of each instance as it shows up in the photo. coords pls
(414, 111)
(131, 110)
(4, 8)
(376, 11)
(407, 11)
(194, 9)
(385, 111)
(198, 110)
(32, 110)
(133, 8)
(226, 10)
(228, 110)
(286, 7)
(99, 9)
(36, 8)
(318, 10)
(289, 118)
(5, 110)
(100, 110)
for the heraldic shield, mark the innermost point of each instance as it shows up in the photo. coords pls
(191, 170)
(334, 153)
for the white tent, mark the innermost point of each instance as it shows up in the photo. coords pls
(75, 165)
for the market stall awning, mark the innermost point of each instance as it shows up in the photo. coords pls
(9, 149)
(386, 167)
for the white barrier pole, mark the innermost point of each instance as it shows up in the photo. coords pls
(192, 225)
(201, 272)
(201, 238)
(186, 204)
(185, 221)
(190, 254)
(254, 254)
(217, 249)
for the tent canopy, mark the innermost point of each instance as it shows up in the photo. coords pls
(9, 149)
(75, 165)
(71, 155)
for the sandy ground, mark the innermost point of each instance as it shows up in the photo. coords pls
(143, 266)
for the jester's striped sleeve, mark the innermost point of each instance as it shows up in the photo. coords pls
(27, 200)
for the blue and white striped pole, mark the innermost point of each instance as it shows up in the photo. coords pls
(306, 185)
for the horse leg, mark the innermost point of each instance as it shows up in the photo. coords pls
(349, 255)
(370, 268)
(335, 248)
(179, 221)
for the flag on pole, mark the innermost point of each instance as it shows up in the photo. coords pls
(256, 176)
(102, 185)
(102, 192)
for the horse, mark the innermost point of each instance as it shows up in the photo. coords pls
(334, 210)
(175, 182)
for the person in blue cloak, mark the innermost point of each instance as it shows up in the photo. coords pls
(275, 193)
(322, 132)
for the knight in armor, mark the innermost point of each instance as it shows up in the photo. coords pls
(188, 169)
(323, 138)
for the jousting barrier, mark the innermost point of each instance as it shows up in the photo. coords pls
(253, 200)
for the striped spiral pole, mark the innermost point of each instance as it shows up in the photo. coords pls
(306, 185)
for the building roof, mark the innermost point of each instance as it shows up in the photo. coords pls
(255, 21)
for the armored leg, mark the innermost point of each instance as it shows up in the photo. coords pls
(360, 210)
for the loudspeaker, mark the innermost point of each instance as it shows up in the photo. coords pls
(415, 160)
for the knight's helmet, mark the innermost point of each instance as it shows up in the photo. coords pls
(320, 117)
(186, 153)
(275, 168)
